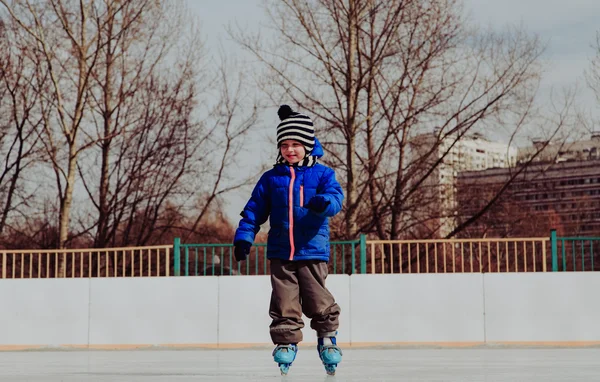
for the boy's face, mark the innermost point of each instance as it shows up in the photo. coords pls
(292, 151)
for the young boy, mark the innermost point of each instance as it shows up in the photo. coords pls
(299, 195)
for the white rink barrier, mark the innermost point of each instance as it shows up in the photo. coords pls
(227, 312)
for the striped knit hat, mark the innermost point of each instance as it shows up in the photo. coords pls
(295, 126)
(300, 128)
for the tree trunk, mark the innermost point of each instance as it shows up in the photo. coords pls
(65, 210)
(103, 213)
(351, 197)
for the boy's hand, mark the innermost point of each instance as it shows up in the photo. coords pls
(317, 204)
(241, 250)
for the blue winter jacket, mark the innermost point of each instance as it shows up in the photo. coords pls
(296, 233)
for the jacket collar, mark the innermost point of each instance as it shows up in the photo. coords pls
(285, 169)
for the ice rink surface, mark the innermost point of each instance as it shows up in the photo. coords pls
(373, 364)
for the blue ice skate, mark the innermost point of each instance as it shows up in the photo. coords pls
(284, 355)
(329, 353)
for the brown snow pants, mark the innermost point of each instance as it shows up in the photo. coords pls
(299, 287)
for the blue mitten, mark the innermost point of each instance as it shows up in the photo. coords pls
(241, 250)
(317, 204)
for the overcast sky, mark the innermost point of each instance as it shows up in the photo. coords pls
(567, 27)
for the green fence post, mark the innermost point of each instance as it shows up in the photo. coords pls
(353, 265)
(187, 260)
(554, 246)
(177, 256)
(363, 253)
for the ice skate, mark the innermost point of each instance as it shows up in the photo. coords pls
(284, 355)
(329, 353)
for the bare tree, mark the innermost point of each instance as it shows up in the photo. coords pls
(19, 121)
(66, 43)
(148, 164)
(144, 115)
(314, 48)
(131, 115)
(116, 78)
(133, 96)
(380, 73)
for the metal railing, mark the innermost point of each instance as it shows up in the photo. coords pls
(575, 253)
(538, 254)
(95, 262)
(218, 259)
(381, 256)
(458, 255)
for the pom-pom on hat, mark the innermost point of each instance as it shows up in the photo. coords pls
(296, 126)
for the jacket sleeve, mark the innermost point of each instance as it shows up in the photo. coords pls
(255, 212)
(333, 193)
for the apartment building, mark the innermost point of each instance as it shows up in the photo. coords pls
(560, 151)
(563, 195)
(469, 153)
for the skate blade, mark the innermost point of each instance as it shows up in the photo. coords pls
(284, 369)
(330, 369)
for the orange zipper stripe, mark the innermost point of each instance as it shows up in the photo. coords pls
(301, 195)
(291, 213)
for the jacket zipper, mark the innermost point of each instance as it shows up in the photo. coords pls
(302, 194)
(291, 212)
